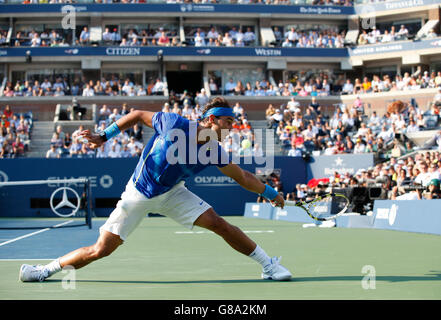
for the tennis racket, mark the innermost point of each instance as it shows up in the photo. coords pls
(314, 208)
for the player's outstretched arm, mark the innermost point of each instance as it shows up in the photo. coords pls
(126, 122)
(249, 182)
(134, 117)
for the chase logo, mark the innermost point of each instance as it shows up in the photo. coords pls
(106, 181)
(3, 177)
(389, 214)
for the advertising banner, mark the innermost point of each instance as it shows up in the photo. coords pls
(109, 177)
(182, 8)
(408, 215)
(116, 51)
(325, 166)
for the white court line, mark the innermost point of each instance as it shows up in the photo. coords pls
(245, 231)
(26, 259)
(34, 233)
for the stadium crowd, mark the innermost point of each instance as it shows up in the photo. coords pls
(311, 84)
(302, 84)
(220, 36)
(415, 177)
(61, 86)
(15, 133)
(376, 36)
(401, 169)
(349, 130)
(127, 144)
(323, 38)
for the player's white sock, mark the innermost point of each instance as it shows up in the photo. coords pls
(53, 267)
(260, 256)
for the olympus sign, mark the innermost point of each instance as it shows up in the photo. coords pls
(214, 181)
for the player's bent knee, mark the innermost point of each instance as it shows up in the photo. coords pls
(212, 221)
(220, 226)
(100, 251)
(103, 249)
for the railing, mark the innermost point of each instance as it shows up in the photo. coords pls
(2, 88)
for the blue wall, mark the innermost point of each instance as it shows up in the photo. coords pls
(421, 216)
(109, 177)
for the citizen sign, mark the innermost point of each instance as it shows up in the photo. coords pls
(123, 51)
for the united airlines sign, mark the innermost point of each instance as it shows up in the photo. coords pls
(394, 5)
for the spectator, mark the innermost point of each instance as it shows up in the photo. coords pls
(52, 152)
(434, 189)
(202, 98)
(88, 91)
(113, 153)
(158, 88)
(75, 147)
(101, 152)
(85, 36)
(18, 148)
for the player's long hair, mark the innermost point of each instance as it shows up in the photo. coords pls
(216, 103)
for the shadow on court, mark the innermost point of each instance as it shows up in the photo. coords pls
(428, 277)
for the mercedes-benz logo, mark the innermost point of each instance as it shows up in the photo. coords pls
(65, 202)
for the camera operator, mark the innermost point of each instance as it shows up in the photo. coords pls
(399, 193)
(417, 192)
(78, 110)
(434, 191)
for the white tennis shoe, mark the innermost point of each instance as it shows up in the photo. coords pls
(30, 273)
(275, 271)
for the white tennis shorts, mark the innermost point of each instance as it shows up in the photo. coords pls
(179, 204)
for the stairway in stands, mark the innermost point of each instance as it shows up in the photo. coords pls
(40, 139)
(148, 133)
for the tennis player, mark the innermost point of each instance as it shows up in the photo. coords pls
(157, 186)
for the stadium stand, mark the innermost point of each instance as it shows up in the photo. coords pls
(15, 133)
(320, 80)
